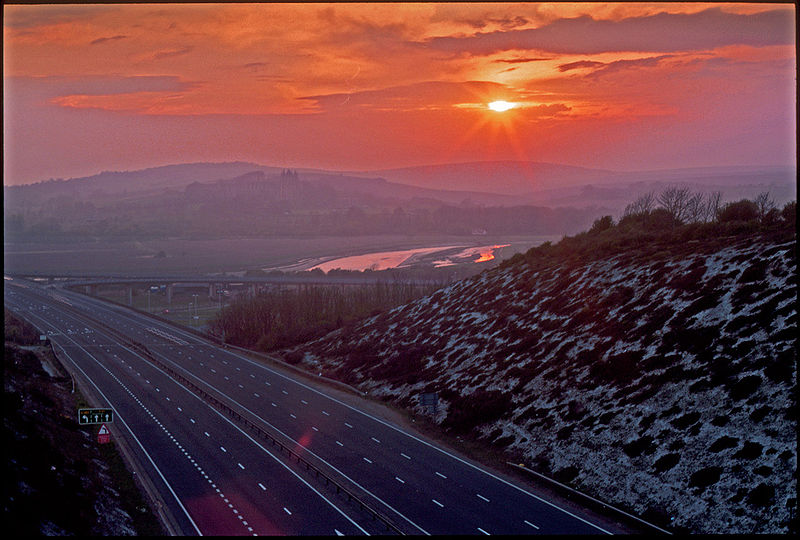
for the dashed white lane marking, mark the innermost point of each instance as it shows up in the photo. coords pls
(438, 503)
(484, 532)
(482, 497)
(531, 524)
(367, 460)
(443, 476)
(399, 479)
(374, 439)
(405, 456)
(348, 425)
(174, 440)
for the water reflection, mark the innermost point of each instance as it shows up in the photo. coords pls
(404, 258)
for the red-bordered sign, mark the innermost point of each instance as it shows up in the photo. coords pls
(103, 436)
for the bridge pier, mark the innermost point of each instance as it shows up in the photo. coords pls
(130, 295)
(211, 291)
(169, 293)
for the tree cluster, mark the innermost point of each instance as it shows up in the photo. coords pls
(671, 218)
(282, 318)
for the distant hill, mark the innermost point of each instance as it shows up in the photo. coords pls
(240, 198)
(180, 202)
(506, 177)
(660, 377)
(491, 183)
(562, 185)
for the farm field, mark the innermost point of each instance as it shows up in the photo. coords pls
(182, 256)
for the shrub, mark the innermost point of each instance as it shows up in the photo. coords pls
(749, 450)
(686, 420)
(789, 213)
(705, 477)
(759, 414)
(636, 447)
(620, 368)
(745, 387)
(666, 462)
(564, 433)
(762, 495)
(754, 273)
(480, 407)
(566, 474)
(722, 443)
(601, 224)
(743, 210)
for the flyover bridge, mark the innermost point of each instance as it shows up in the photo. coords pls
(215, 284)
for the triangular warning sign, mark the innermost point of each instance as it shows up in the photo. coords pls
(103, 430)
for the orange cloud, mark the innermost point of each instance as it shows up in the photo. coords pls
(406, 82)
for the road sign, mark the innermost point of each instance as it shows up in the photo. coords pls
(103, 436)
(429, 401)
(95, 416)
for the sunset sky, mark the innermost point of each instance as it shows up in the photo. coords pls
(369, 86)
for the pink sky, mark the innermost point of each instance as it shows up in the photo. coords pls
(625, 86)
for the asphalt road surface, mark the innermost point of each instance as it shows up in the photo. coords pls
(211, 474)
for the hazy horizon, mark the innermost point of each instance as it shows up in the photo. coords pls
(375, 171)
(365, 87)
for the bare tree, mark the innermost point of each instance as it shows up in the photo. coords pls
(765, 204)
(677, 201)
(695, 208)
(712, 207)
(703, 208)
(641, 206)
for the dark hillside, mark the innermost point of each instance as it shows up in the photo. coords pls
(654, 370)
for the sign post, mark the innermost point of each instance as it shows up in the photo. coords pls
(103, 436)
(430, 401)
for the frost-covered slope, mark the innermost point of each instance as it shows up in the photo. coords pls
(661, 380)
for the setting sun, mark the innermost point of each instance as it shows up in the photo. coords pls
(501, 106)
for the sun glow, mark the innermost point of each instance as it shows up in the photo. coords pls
(501, 106)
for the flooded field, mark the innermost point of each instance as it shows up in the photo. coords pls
(238, 255)
(436, 256)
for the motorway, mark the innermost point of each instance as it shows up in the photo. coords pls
(209, 473)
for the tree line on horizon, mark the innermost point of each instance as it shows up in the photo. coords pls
(674, 216)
